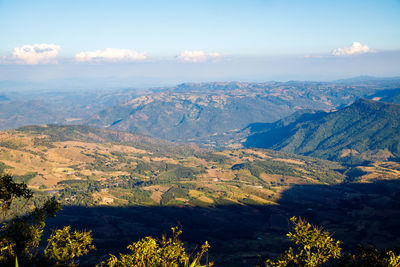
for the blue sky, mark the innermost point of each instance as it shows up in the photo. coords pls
(163, 35)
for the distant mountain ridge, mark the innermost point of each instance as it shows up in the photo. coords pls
(368, 79)
(363, 130)
(3, 98)
(49, 107)
(197, 111)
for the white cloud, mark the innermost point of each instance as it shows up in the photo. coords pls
(355, 48)
(110, 55)
(197, 56)
(35, 54)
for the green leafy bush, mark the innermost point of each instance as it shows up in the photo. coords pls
(313, 246)
(152, 252)
(64, 246)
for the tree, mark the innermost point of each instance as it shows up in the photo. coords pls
(9, 191)
(20, 235)
(158, 253)
(64, 246)
(314, 246)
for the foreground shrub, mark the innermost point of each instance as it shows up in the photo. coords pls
(152, 252)
(313, 246)
(64, 246)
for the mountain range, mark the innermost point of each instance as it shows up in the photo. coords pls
(197, 112)
(188, 112)
(364, 130)
(309, 118)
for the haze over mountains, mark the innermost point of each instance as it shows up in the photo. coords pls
(62, 107)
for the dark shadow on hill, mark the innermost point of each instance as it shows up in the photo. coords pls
(354, 213)
(234, 232)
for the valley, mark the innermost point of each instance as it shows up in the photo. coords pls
(88, 166)
(125, 186)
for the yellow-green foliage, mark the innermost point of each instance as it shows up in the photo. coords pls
(65, 246)
(394, 260)
(371, 257)
(152, 252)
(6, 250)
(314, 246)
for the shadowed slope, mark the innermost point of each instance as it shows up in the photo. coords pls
(354, 213)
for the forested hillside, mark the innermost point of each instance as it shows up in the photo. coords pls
(364, 130)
